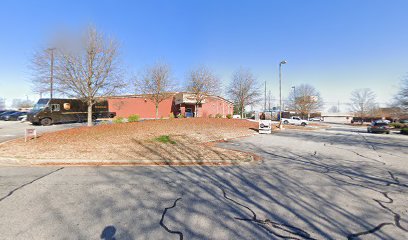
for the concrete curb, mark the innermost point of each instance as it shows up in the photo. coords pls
(86, 162)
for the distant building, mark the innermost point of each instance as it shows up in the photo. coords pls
(179, 103)
(337, 117)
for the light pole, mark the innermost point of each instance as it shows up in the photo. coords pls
(51, 70)
(280, 93)
(294, 97)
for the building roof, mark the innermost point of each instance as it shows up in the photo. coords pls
(171, 93)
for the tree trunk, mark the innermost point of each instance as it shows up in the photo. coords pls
(157, 111)
(90, 114)
(196, 110)
(242, 112)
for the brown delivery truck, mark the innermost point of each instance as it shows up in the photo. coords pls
(57, 110)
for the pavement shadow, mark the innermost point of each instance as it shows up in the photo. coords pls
(290, 195)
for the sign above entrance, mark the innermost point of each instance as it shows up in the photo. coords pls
(187, 98)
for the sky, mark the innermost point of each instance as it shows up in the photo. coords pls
(336, 46)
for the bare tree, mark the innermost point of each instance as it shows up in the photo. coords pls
(305, 100)
(2, 103)
(362, 102)
(244, 90)
(333, 109)
(156, 83)
(402, 96)
(86, 67)
(40, 66)
(202, 83)
(20, 103)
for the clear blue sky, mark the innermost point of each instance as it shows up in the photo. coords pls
(335, 45)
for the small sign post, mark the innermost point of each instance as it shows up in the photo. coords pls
(265, 126)
(29, 133)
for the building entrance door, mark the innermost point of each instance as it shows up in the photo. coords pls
(189, 112)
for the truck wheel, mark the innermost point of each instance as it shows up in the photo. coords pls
(46, 121)
(303, 124)
(285, 122)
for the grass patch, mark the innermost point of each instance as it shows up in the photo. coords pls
(133, 118)
(165, 139)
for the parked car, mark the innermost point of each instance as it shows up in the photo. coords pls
(14, 116)
(294, 121)
(22, 118)
(379, 127)
(6, 113)
(316, 119)
(404, 121)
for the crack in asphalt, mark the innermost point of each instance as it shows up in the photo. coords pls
(180, 234)
(397, 217)
(326, 170)
(358, 154)
(373, 230)
(396, 223)
(25, 184)
(267, 222)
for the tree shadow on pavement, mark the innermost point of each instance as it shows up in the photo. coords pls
(289, 195)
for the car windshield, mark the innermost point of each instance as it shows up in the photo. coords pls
(41, 104)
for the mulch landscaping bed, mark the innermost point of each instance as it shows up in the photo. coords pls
(137, 141)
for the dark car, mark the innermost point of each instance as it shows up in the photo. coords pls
(379, 127)
(6, 113)
(14, 116)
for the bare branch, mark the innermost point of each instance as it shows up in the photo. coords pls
(85, 67)
(156, 83)
(244, 89)
(202, 83)
(305, 99)
(362, 102)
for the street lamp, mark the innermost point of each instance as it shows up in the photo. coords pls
(280, 92)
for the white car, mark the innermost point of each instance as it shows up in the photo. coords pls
(294, 121)
(22, 118)
(316, 119)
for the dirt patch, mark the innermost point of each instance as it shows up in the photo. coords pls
(137, 141)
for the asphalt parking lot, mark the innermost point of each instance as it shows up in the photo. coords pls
(336, 184)
(15, 129)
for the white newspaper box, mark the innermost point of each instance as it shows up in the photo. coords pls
(265, 126)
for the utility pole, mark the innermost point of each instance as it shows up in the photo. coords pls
(294, 98)
(51, 71)
(280, 93)
(269, 100)
(265, 99)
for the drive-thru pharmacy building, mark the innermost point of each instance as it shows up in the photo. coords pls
(178, 103)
